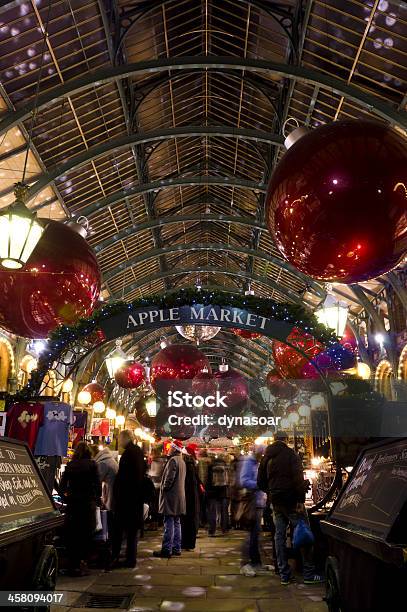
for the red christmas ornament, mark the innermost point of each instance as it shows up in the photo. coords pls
(287, 360)
(232, 384)
(349, 341)
(337, 201)
(130, 375)
(279, 387)
(178, 362)
(245, 333)
(59, 284)
(96, 391)
(142, 415)
(204, 384)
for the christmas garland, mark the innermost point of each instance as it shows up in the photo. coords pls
(62, 337)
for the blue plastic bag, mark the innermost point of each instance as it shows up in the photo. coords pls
(302, 535)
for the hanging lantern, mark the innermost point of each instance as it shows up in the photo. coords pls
(197, 333)
(67, 385)
(246, 333)
(20, 231)
(333, 314)
(336, 203)
(130, 375)
(96, 391)
(151, 406)
(59, 285)
(99, 407)
(84, 397)
(115, 359)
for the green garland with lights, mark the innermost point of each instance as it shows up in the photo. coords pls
(62, 337)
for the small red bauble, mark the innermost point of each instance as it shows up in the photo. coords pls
(337, 201)
(245, 333)
(130, 376)
(96, 391)
(288, 361)
(279, 387)
(178, 362)
(59, 284)
(349, 341)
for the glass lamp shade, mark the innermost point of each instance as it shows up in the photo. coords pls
(84, 397)
(196, 333)
(293, 417)
(151, 407)
(67, 385)
(99, 407)
(304, 411)
(20, 232)
(333, 315)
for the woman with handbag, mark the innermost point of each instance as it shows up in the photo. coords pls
(249, 512)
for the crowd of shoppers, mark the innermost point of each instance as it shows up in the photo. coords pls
(185, 492)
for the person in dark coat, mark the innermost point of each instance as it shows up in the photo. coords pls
(81, 490)
(128, 499)
(172, 502)
(281, 475)
(190, 520)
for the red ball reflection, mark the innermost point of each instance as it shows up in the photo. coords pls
(59, 284)
(245, 333)
(337, 201)
(287, 360)
(130, 375)
(177, 362)
(279, 387)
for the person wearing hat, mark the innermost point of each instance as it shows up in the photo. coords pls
(172, 502)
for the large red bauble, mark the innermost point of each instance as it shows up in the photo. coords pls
(288, 361)
(130, 375)
(279, 387)
(245, 333)
(337, 201)
(234, 386)
(204, 384)
(349, 341)
(178, 362)
(59, 284)
(96, 391)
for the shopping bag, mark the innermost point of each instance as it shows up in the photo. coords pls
(98, 520)
(246, 509)
(302, 535)
(102, 534)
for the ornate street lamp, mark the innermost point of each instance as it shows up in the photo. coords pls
(115, 359)
(333, 314)
(151, 407)
(19, 231)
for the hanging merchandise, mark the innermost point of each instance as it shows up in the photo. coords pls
(80, 421)
(53, 434)
(245, 333)
(280, 387)
(100, 427)
(178, 362)
(59, 284)
(130, 375)
(336, 203)
(97, 392)
(24, 420)
(287, 360)
(197, 333)
(48, 467)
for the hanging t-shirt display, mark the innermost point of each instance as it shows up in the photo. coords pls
(53, 436)
(24, 420)
(80, 420)
(100, 427)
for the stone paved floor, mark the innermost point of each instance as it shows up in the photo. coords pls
(205, 580)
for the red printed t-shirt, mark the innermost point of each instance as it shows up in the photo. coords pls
(24, 420)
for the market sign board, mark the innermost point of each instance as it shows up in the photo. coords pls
(224, 316)
(23, 495)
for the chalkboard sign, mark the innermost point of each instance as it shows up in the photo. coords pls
(23, 494)
(376, 491)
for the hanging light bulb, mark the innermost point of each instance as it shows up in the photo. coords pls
(163, 342)
(115, 359)
(293, 417)
(223, 366)
(363, 370)
(197, 333)
(120, 420)
(99, 407)
(110, 414)
(151, 407)
(304, 411)
(20, 231)
(84, 397)
(67, 385)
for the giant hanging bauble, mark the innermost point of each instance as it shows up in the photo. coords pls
(178, 362)
(204, 384)
(131, 375)
(59, 284)
(140, 409)
(234, 386)
(337, 201)
(280, 387)
(96, 391)
(288, 361)
(246, 333)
